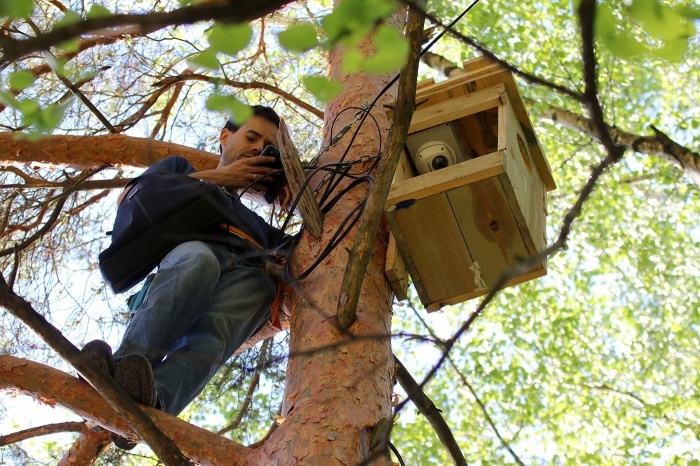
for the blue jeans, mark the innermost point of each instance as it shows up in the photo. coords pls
(203, 304)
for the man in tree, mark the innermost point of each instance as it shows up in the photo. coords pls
(208, 297)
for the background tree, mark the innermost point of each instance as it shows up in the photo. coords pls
(541, 376)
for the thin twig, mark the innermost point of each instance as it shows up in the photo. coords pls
(170, 81)
(51, 60)
(38, 431)
(428, 409)
(50, 223)
(531, 78)
(254, 382)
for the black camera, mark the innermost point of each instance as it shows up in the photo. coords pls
(280, 178)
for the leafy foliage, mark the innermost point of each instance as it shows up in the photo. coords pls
(594, 364)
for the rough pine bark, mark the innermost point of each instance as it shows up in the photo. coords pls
(94, 151)
(338, 384)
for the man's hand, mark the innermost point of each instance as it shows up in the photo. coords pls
(241, 173)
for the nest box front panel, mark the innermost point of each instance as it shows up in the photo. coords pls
(433, 248)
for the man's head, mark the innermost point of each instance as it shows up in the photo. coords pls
(249, 139)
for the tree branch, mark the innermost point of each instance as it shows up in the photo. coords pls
(86, 448)
(427, 408)
(165, 83)
(374, 207)
(659, 145)
(51, 386)
(640, 403)
(223, 10)
(107, 387)
(87, 185)
(529, 77)
(93, 151)
(38, 431)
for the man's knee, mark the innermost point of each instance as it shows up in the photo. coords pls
(195, 259)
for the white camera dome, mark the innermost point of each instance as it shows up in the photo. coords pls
(433, 156)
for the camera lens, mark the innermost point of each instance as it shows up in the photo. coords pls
(440, 162)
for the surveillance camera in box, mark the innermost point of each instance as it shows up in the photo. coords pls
(469, 197)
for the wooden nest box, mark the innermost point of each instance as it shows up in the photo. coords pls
(469, 196)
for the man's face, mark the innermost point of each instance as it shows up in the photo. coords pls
(248, 141)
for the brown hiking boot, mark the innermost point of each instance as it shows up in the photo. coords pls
(135, 376)
(98, 352)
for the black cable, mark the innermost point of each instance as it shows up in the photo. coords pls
(345, 171)
(396, 452)
(396, 78)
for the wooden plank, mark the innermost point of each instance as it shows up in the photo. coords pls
(402, 247)
(428, 116)
(480, 132)
(395, 270)
(512, 187)
(489, 228)
(492, 77)
(308, 206)
(447, 178)
(535, 273)
(394, 265)
(404, 169)
(437, 247)
(429, 92)
(425, 83)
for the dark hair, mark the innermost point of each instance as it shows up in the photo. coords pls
(258, 110)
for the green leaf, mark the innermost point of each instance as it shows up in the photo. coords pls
(206, 59)
(391, 51)
(70, 46)
(353, 19)
(98, 11)
(234, 108)
(299, 37)
(29, 106)
(69, 17)
(43, 121)
(661, 21)
(230, 38)
(21, 80)
(605, 22)
(673, 50)
(321, 88)
(9, 99)
(16, 8)
(353, 61)
(689, 12)
(620, 44)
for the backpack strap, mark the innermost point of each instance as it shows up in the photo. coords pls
(275, 306)
(241, 234)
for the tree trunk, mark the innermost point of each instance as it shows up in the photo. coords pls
(336, 387)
